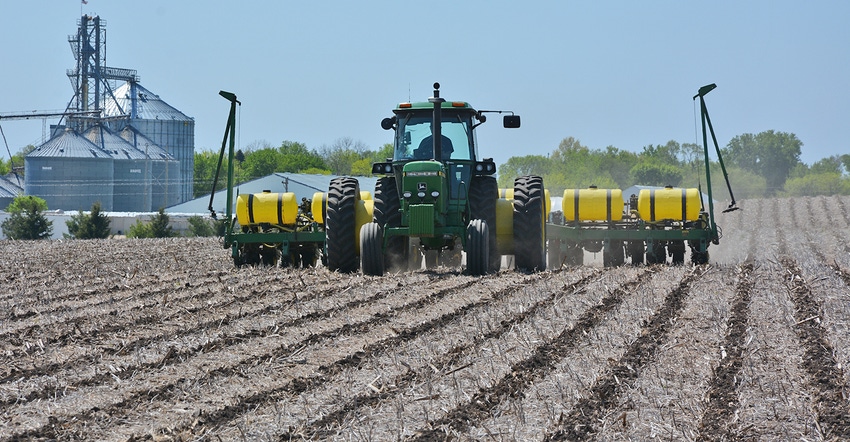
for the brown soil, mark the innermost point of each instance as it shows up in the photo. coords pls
(165, 340)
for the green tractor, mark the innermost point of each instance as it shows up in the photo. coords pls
(436, 198)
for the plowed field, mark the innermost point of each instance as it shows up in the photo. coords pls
(165, 340)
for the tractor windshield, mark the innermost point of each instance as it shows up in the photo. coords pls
(414, 140)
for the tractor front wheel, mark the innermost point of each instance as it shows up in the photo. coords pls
(371, 253)
(478, 247)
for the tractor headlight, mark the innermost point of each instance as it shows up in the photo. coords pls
(388, 168)
(435, 194)
(421, 194)
(479, 167)
(407, 194)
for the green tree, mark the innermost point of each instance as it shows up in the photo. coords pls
(340, 156)
(770, 154)
(261, 162)
(206, 163)
(16, 163)
(26, 219)
(92, 225)
(814, 184)
(655, 174)
(296, 158)
(666, 154)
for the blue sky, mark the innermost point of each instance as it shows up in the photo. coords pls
(614, 73)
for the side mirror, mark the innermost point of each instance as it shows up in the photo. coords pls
(511, 121)
(388, 123)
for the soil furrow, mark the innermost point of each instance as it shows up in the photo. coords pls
(328, 425)
(525, 372)
(717, 420)
(826, 376)
(226, 362)
(582, 421)
(125, 358)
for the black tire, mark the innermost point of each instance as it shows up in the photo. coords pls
(677, 252)
(477, 247)
(615, 255)
(387, 213)
(636, 252)
(529, 232)
(309, 255)
(269, 255)
(371, 249)
(483, 193)
(343, 194)
(656, 254)
(246, 255)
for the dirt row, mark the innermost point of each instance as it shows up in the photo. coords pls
(164, 340)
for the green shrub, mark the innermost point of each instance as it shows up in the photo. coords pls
(200, 226)
(26, 220)
(91, 225)
(156, 227)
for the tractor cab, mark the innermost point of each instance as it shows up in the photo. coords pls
(439, 131)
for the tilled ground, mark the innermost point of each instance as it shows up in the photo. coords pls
(165, 340)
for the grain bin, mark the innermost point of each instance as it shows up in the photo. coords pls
(131, 190)
(164, 169)
(70, 173)
(164, 125)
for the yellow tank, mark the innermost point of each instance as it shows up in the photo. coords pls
(669, 203)
(505, 226)
(365, 195)
(317, 207)
(506, 193)
(593, 204)
(363, 212)
(266, 207)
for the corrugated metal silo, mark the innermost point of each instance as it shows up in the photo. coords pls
(70, 173)
(166, 126)
(164, 168)
(131, 185)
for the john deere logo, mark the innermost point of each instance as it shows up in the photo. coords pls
(421, 186)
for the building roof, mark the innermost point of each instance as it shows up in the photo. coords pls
(133, 100)
(144, 144)
(302, 185)
(118, 147)
(69, 144)
(9, 187)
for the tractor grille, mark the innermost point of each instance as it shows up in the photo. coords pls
(422, 220)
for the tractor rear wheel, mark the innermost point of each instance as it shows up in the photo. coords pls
(478, 247)
(483, 193)
(387, 213)
(371, 249)
(529, 217)
(343, 193)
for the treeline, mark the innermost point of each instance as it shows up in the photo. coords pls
(761, 165)
(344, 157)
